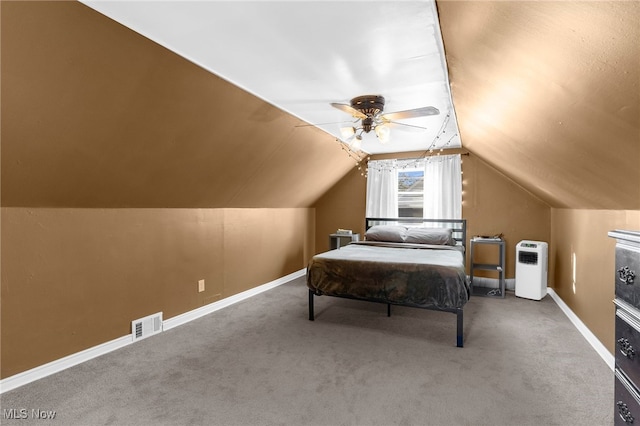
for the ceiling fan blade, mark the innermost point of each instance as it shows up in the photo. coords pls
(411, 113)
(404, 127)
(349, 110)
(322, 124)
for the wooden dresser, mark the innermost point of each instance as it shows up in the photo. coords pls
(627, 302)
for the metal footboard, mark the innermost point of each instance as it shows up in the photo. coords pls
(457, 311)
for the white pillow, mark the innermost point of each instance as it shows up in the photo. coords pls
(387, 233)
(435, 236)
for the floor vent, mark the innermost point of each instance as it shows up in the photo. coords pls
(147, 326)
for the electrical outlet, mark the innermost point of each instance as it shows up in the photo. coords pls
(200, 286)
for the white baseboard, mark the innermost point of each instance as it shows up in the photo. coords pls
(58, 365)
(485, 282)
(584, 330)
(215, 306)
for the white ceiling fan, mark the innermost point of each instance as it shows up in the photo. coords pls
(369, 110)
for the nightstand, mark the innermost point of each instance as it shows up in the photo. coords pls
(498, 267)
(338, 240)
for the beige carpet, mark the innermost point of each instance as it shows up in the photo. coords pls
(262, 362)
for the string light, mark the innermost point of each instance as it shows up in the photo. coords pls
(357, 155)
(360, 157)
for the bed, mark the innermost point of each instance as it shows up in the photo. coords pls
(411, 262)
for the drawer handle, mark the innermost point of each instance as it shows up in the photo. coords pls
(625, 348)
(626, 275)
(624, 413)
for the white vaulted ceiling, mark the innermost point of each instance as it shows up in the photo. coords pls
(302, 56)
(546, 92)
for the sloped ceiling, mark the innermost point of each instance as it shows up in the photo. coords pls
(301, 56)
(548, 92)
(95, 115)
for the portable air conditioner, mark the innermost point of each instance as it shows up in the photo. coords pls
(531, 269)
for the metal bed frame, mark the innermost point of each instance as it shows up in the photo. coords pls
(459, 228)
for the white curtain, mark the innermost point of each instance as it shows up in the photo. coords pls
(382, 189)
(443, 187)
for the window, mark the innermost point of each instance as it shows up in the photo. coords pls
(410, 192)
(396, 188)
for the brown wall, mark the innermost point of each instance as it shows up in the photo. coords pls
(128, 174)
(343, 206)
(124, 167)
(95, 115)
(548, 92)
(579, 240)
(76, 278)
(492, 204)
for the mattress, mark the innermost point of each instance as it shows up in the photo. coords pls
(418, 275)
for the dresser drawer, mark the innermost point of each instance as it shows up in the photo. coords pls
(626, 402)
(627, 352)
(627, 274)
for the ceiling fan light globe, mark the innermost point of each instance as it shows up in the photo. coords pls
(383, 132)
(347, 132)
(356, 144)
